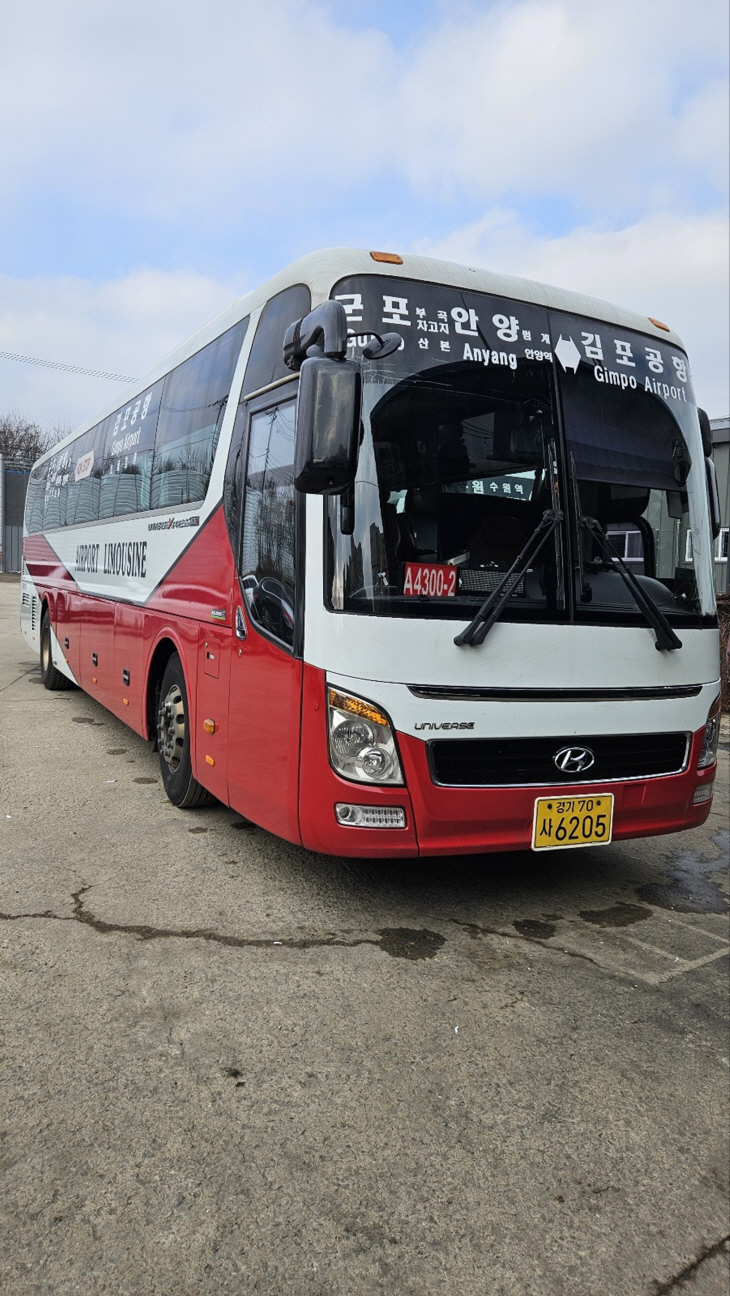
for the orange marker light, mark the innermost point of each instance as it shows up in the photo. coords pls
(658, 324)
(125, 701)
(209, 726)
(391, 257)
(94, 679)
(209, 760)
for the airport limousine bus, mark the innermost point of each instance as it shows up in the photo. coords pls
(397, 557)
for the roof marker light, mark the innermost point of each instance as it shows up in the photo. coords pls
(391, 257)
(658, 324)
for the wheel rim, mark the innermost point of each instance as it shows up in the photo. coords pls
(171, 728)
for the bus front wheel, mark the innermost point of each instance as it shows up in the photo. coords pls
(173, 741)
(52, 678)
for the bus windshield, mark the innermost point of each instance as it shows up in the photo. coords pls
(455, 469)
(463, 453)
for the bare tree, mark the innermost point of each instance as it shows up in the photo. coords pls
(22, 440)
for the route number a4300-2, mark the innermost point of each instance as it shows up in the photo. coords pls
(434, 580)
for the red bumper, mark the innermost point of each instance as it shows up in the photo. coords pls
(463, 821)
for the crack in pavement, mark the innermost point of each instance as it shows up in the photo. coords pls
(399, 942)
(670, 1284)
(475, 929)
(29, 671)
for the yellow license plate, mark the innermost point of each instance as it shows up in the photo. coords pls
(572, 821)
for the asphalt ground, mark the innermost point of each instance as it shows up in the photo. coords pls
(231, 1066)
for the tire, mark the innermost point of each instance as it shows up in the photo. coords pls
(173, 741)
(52, 678)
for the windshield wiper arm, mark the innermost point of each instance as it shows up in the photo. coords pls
(666, 639)
(478, 629)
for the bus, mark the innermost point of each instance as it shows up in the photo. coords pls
(397, 557)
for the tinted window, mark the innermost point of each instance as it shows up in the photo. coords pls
(265, 365)
(56, 488)
(266, 361)
(267, 561)
(34, 499)
(630, 423)
(128, 451)
(84, 476)
(193, 403)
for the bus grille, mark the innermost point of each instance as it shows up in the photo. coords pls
(520, 762)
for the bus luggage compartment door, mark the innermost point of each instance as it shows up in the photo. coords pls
(212, 721)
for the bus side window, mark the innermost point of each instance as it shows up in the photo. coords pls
(128, 450)
(193, 404)
(267, 558)
(265, 365)
(84, 475)
(34, 500)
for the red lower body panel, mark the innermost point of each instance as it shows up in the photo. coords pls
(462, 821)
(456, 821)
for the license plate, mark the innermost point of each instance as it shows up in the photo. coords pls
(572, 821)
(435, 580)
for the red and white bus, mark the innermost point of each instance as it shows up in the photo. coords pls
(346, 557)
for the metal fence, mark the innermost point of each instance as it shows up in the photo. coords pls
(13, 487)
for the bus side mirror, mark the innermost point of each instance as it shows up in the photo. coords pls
(712, 489)
(328, 426)
(706, 431)
(714, 498)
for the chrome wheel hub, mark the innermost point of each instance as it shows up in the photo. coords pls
(171, 728)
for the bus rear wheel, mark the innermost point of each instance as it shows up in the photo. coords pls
(52, 678)
(173, 741)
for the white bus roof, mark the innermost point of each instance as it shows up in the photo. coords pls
(320, 270)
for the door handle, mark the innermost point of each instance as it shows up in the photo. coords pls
(240, 624)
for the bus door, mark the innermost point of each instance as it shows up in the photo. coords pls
(265, 672)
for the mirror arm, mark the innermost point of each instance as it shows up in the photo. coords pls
(325, 326)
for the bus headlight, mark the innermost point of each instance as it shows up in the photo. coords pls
(361, 741)
(708, 755)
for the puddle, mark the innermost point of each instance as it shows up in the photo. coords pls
(410, 942)
(688, 888)
(244, 824)
(618, 915)
(531, 927)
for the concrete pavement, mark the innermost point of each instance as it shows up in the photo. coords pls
(231, 1066)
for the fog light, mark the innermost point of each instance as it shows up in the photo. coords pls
(362, 816)
(703, 793)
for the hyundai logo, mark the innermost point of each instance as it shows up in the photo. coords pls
(574, 760)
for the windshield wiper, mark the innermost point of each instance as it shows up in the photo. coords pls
(478, 629)
(666, 639)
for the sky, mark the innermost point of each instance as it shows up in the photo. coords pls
(158, 160)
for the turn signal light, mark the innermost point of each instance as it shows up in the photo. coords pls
(209, 760)
(209, 726)
(357, 707)
(392, 258)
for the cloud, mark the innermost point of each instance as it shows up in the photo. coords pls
(540, 95)
(159, 109)
(121, 326)
(672, 267)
